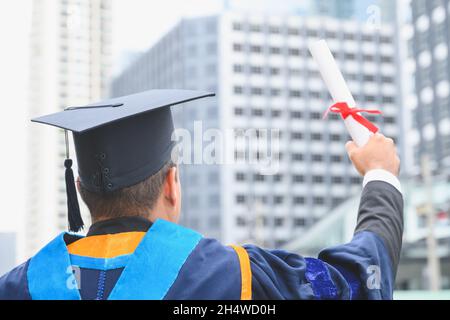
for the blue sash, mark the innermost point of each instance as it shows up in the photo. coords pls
(148, 274)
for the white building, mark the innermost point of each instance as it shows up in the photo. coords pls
(7, 251)
(429, 46)
(265, 78)
(70, 62)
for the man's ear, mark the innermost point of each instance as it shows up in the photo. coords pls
(171, 186)
(78, 183)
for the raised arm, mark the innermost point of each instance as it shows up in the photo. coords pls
(364, 268)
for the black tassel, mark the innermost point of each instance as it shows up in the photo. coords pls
(75, 221)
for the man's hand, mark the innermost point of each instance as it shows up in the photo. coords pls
(379, 153)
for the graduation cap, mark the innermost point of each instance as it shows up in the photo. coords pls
(119, 142)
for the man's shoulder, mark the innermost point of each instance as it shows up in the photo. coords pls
(14, 284)
(212, 271)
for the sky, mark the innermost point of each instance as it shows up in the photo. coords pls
(138, 24)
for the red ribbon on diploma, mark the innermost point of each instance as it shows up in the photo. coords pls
(346, 111)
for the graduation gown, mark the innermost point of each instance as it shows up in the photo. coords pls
(131, 258)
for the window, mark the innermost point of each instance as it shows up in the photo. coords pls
(259, 177)
(237, 26)
(336, 158)
(274, 71)
(255, 28)
(367, 38)
(335, 137)
(387, 99)
(299, 200)
(240, 199)
(276, 113)
(280, 243)
(257, 91)
(295, 72)
(278, 199)
(330, 34)
(299, 222)
(389, 120)
(296, 178)
(214, 200)
(238, 90)
(193, 201)
(275, 50)
(312, 33)
(316, 136)
(255, 49)
(369, 98)
(275, 92)
(349, 36)
(297, 157)
(349, 56)
(256, 70)
(314, 94)
(238, 68)
(317, 157)
(295, 93)
(240, 176)
(296, 136)
(279, 221)
(211, 48)
(315, 115)
(318, 179)
(278, 177)
(337, 180)
(213, 177)
(294, 52)
(335, 201)
(355, 180)
(372, 118)
(368, 58)
(240, 221)
(386, 59)
(237, 47)
(274, 30)
(296, 114)
(258, 112)
(239, 155)
(238, 111)
(318, 201)
(293, 32)
(384, 39)
(334, 116)
(214, 221)
(369, 78)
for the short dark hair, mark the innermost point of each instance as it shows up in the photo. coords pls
(135, 200)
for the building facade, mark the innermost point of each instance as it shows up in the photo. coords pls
(429, 49)
(264, 76)
(7, 251)
(70, 62)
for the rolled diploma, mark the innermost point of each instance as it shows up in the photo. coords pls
(338, 89)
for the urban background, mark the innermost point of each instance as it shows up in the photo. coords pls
(254, 55)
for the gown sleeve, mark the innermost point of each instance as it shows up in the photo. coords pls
(14, 284)
(364, 268)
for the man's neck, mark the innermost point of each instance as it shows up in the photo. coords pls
(119, 225)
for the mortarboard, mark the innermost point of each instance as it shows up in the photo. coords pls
(119, 142)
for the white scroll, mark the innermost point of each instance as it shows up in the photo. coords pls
(338, 89)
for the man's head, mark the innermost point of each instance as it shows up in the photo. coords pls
(158, 196)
